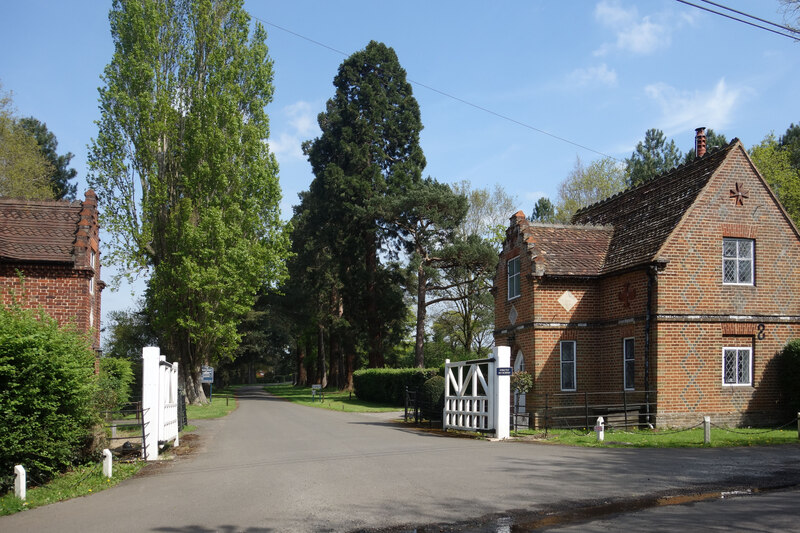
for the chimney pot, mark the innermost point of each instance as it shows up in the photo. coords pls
(700, 142)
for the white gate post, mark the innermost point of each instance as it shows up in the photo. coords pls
(20, 482)
(502, 392)
(174, 396)
(150, 406)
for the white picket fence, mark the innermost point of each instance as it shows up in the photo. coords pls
(476, 396)
(159, 402)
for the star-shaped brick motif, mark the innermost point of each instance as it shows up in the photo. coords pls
(739, 193)
(627, 295)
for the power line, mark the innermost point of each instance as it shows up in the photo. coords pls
(787, 28)
(448, 95)
(795, 37)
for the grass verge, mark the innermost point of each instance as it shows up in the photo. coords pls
(334, 400)
(80, 481)
(222, 403)
(692, 438)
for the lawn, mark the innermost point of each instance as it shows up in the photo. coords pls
(222, 403)
(667, 438)
(333, 399)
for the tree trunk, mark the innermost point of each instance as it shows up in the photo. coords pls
(301, 378)
(375, 354)
(322, 376)
(422, 310)
(312, 368)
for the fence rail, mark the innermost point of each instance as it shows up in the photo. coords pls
(575, 410)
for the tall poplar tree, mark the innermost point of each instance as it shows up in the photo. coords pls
(369, 149)
(188, 188)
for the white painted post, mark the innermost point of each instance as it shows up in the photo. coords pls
(174, 389)
(150, 406)
(707, 430)
(502, 389)
(600, 429)
(107, 463)
(446, 420)
(20, 482)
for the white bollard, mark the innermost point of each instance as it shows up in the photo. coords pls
(20, 483)
(600, 429)
(707, 430)
(107, 463)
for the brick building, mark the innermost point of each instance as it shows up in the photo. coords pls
(53, 246)
(686, 285)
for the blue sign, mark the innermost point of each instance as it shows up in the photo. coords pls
(207, 374)
(504, 371)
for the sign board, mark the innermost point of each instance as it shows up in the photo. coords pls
(504, 371)
(316, 387)
(207, 374)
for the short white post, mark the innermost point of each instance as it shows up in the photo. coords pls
(502, 356)
(707, 430)
(150, 385)
(20, 483)
(107, 463)
(600, 429)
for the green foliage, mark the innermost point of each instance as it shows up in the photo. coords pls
(789, 375)
(543, 211)
(114, 383)
(713, 140)
(24, 172)
(432, 392)
(774, 163)
(189, 188)
(61, 175)
(652, 157)
(47, 392)
(521, 382)
(790, 141)
(388, 385)
(586, 185)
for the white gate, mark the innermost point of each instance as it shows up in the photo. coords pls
(476, 394)
(159, 401)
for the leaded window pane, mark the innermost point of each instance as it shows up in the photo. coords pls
(730, 367)
(513, 278)
(737, 261)
(744, 367)
(745, 270)
(567, 365)
(729, 268)
(729, 248)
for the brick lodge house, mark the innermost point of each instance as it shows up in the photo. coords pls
(679, 291)
(49, 259)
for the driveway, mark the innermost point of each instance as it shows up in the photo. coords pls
(275, 466)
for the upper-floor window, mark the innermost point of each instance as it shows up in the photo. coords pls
(568, 363)
(628, 363)
(737, 261)
(513, 278)
(737, 365)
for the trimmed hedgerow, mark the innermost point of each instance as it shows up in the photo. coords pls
(432, 392)
(47, 396)
(789, 366)
(114, 383)
(388, 385)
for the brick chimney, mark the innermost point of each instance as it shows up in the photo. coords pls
(700, 142)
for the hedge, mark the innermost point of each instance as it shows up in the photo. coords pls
(388, 385)
(47, 396)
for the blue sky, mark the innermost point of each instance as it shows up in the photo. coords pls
(596, 73)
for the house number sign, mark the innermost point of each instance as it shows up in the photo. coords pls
(761, 335)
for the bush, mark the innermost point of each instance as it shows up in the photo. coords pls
(47, 393)
(114, 383)
(432, 393)
(388, 385)
(790, 375)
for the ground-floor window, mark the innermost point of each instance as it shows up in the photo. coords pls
(568, 365)
(737, 365)
(628, 363)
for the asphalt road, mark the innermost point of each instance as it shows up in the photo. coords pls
(275, 466)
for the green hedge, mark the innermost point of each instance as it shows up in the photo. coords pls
(47, 396)
(388, 385)
(114, 383)
(789, 375)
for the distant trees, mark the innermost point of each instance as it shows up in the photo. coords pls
(190, 190)
(586, 185)
(544, 210)
(61, 175)
(652, 157)
(775, 160)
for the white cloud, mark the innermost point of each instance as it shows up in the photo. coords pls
(299, 123)
(600, 75)
(684, 110)
(640, 35)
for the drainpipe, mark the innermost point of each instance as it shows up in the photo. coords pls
(651, 280)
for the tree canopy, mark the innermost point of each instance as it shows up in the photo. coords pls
(586, 185)
(652, 157)
(48, 144)
(189, 188)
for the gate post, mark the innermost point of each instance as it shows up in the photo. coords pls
(502, 392)
(151, 355)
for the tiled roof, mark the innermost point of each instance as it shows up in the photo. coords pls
(38, 230)
(559, 250)
(643, 217)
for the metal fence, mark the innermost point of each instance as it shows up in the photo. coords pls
(575, 410)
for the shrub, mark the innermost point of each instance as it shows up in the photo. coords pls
(114, 383)
(47, 392)
(432, 393)
(388, 385)
(790, 375)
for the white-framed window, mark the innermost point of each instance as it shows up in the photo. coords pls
(91, 317)
(568, 362)
(91, 285)
(628, 367)
(513, 278)
(737, 366)
(93, 259)
(737, 261)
